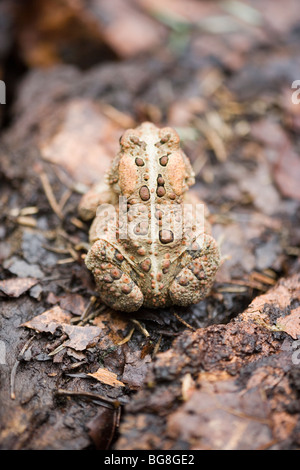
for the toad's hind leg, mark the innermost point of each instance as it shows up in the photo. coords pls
(111, 273)
(195, 279)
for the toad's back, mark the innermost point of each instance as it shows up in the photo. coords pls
(151, 168)
(149, 176)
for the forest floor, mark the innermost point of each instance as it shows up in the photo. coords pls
(75, 374)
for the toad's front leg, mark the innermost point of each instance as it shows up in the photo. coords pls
(99, 194)
(111, 273)
(195, 279)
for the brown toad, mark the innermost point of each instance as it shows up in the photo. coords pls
(149, 246)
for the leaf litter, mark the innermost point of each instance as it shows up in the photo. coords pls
(239, 128)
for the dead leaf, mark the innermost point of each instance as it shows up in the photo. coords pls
(17, 286)
(21, 268)
(287, 173)
(102, 427)
(128, 30)
(135, 369)
(114, 324)
(49, 320)
(280, 18)
(88, 157)
(81, 337)
(280, 296)
(217, 417)
(291, 323)
(259, 186)
(107, 377)
(286, 170)
(74, 303)
(269, 132)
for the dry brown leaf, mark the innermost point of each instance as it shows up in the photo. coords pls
(291, 323)
(81, 337)
(287, 173)
(286, 169)
(281, 297)
(114, 323)
(128, 30)
(74, 303)
(17, 286)
(135, 369)
(217, 417)
(87, 158)
(49, 320)
(107, 377)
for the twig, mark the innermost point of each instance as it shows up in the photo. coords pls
(167, 333)
(199, 164)
(82, 246)
(65, 197)
(54, 278)
(61, 251)
(29, 210)
(65, 261)
(91, 396)
(14, 369)
(118, 416)
(78, 223)
(27, 221)
(232, 289)
(246, 283)
(260, 277)
(140, 327)
(86, 315)
(93, 315)
(127, 338)
(57, 349)
(214, 140)
(73, 253)
(50, 195)
(268, 444)
(183, 321)
(122, 119)
(157, 346)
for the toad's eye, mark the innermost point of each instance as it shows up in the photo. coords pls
(129, 139)
(169, 136)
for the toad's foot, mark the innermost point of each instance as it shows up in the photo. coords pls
(114, 284)
(195, 280)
